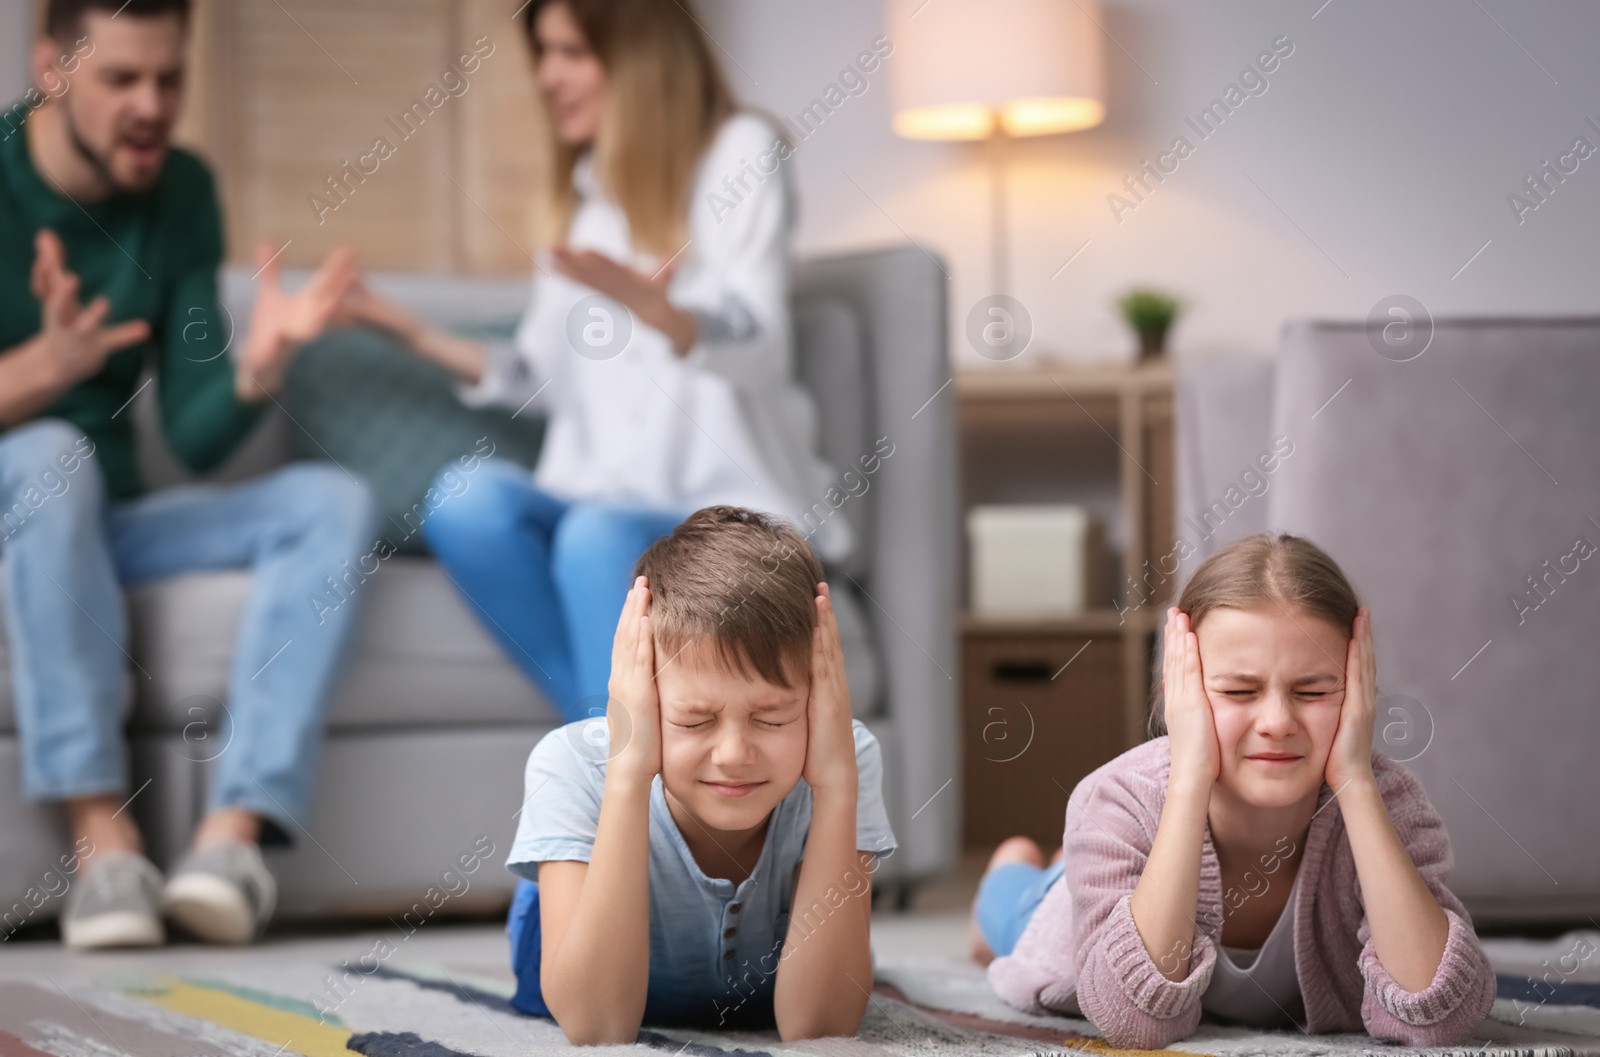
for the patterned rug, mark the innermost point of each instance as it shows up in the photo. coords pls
(1530, 1017)
(930, 1007)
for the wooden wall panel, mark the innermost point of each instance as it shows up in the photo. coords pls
(281, 93)
(204, 115)
(309, 85)
(501, 134)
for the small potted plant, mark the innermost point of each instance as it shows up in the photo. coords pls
(1150, 313)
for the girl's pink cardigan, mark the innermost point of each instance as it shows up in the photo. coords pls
(1081, 952)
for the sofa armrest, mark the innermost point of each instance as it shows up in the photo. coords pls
(909, 585)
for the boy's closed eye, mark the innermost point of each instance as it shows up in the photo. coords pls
(690, 718)
(769, 716)
(777, 715)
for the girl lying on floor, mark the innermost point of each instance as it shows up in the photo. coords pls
(1258, 862)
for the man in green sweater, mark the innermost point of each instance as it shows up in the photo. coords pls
(110, 242)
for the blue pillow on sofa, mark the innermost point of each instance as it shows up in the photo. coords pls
(364, 401)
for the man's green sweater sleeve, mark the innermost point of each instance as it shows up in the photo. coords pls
(196, 340)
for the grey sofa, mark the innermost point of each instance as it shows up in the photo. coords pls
(1442, 484)
(431, 725)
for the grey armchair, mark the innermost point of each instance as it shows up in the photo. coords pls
(1449, 487)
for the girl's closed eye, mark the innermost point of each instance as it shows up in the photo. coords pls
(1317, 689)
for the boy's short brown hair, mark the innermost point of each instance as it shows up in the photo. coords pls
(742, 579)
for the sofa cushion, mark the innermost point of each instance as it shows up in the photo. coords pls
(420, 656)
(362, 400)
(35, 850)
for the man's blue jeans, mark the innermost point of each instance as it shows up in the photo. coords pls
(547, 576)
(68, 553)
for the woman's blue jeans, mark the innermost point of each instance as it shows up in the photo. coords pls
(546, 575)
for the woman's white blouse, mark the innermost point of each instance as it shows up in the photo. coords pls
(635, 424)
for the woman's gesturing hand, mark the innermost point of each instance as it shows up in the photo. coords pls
(633, 712)
(360, 305)
(643, 295)
(830, 741)
(1351, 755)
(1196, 757)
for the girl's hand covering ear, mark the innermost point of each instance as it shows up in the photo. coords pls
(1351, 755)
(1196, 756)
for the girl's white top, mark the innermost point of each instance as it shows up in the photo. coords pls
(630, 422)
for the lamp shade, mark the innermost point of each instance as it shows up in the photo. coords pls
(959, 67)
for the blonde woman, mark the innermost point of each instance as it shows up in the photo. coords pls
(656, 341)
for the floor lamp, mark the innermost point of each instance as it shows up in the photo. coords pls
(995, 69)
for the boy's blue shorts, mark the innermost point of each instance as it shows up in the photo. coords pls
(1007, 898)
(522, 928)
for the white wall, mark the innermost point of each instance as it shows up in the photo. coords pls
(16, 27)
(1391, 136)
(1384, 150)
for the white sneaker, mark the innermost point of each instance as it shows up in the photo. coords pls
(221, 893)
(114, 903)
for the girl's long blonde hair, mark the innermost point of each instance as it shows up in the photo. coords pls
(1267, 569)
(666, 98)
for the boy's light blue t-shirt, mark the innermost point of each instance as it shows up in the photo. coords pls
(715, 945)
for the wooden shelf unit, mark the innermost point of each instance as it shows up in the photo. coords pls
(1077, 687)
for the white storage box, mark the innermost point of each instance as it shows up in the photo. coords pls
(1032, 561)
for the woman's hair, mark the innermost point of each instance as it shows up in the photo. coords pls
(740, 581)
(1267, 569)
(666, 99)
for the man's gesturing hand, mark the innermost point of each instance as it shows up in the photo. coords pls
(282, 322)
(75, 338)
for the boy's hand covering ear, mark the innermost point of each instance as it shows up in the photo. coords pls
(633, 711)
(831, 743)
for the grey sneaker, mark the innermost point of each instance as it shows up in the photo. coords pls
(114, 904)
(221, 893)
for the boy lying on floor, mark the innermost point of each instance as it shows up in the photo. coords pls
(667, 840)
